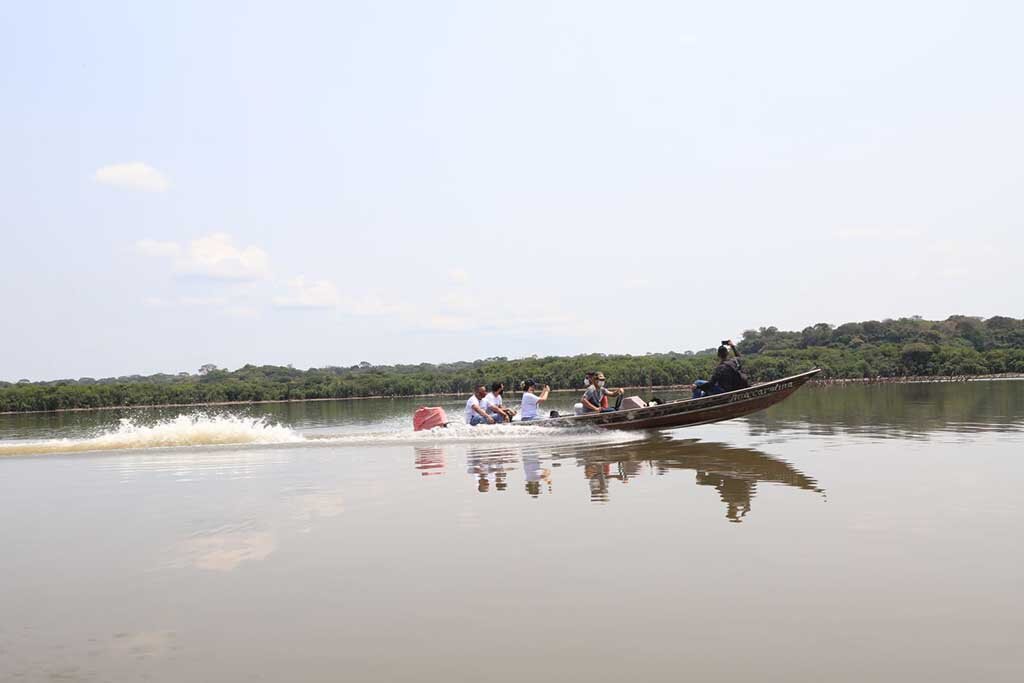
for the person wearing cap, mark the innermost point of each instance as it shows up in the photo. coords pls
(528, 410)
(595, 400)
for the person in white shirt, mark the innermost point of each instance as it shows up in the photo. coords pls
(531, 400)
(475, 413)
(492, 403)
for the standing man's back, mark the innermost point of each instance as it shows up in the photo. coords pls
(728, 376)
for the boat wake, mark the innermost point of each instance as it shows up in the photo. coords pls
(229, 430)
(461, 433)
(184, 430)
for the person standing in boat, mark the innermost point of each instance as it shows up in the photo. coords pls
(728, 375)
(475, 413)
(531, 399)
(595, 399)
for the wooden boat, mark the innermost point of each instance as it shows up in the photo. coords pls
(688, 412)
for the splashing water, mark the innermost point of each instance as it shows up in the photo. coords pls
(184, 430)
(200, 429)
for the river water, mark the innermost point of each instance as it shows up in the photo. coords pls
(848, 534)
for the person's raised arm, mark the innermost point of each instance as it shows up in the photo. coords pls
(735, 351)
(544, 394)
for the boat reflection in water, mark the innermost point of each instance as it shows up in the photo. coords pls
(733, 472)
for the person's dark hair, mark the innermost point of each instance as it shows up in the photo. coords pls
(480, 386)
(496, 386)
(723, 352)
(528, 383)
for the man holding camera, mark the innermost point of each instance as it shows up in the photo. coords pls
(727, 375)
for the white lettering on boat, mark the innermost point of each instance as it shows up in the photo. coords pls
(763, 391)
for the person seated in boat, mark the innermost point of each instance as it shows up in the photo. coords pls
(492, 403)
(595, 399)
(531, 399)
(728, 374)
(475, 413)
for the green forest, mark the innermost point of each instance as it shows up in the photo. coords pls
(957, 346)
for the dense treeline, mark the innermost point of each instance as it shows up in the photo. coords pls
(957, 346)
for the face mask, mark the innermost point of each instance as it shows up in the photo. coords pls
(586, 382)
(600, 383)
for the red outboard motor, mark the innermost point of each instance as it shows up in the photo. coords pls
(428, 418)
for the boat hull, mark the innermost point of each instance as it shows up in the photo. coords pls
(689, 412)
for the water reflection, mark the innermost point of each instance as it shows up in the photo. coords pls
(224, 550)
(898, 410)
(491, 465)
(536, 476)
(430, 461)
(734, 473)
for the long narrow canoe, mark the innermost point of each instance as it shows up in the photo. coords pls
(688, 412)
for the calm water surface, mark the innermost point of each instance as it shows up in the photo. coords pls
(848, 534)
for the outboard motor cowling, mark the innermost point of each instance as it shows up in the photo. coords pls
(428, 418)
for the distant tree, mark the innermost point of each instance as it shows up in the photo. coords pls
(916, 357)
(960, 345)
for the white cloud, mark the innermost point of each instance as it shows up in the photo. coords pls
(242, 311)
(448, 323)
(527, 318)
(458, 276)
(312, 294)
(194, 301)
(946, 247)
(371, 305)
(155, 248)
(214, 256)
(637, 283)
(459, 302)
(878, 234)
(133, 175)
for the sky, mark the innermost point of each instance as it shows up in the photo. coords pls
(325, 183)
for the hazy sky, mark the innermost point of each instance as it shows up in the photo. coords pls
(327, 183)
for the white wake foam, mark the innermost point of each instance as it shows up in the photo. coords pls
(200, 429)
(184, 430)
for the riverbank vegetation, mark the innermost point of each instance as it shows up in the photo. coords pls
(957, 346)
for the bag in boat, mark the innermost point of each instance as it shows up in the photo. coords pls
(428, 418)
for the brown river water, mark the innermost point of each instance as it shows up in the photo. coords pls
(864, 533)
